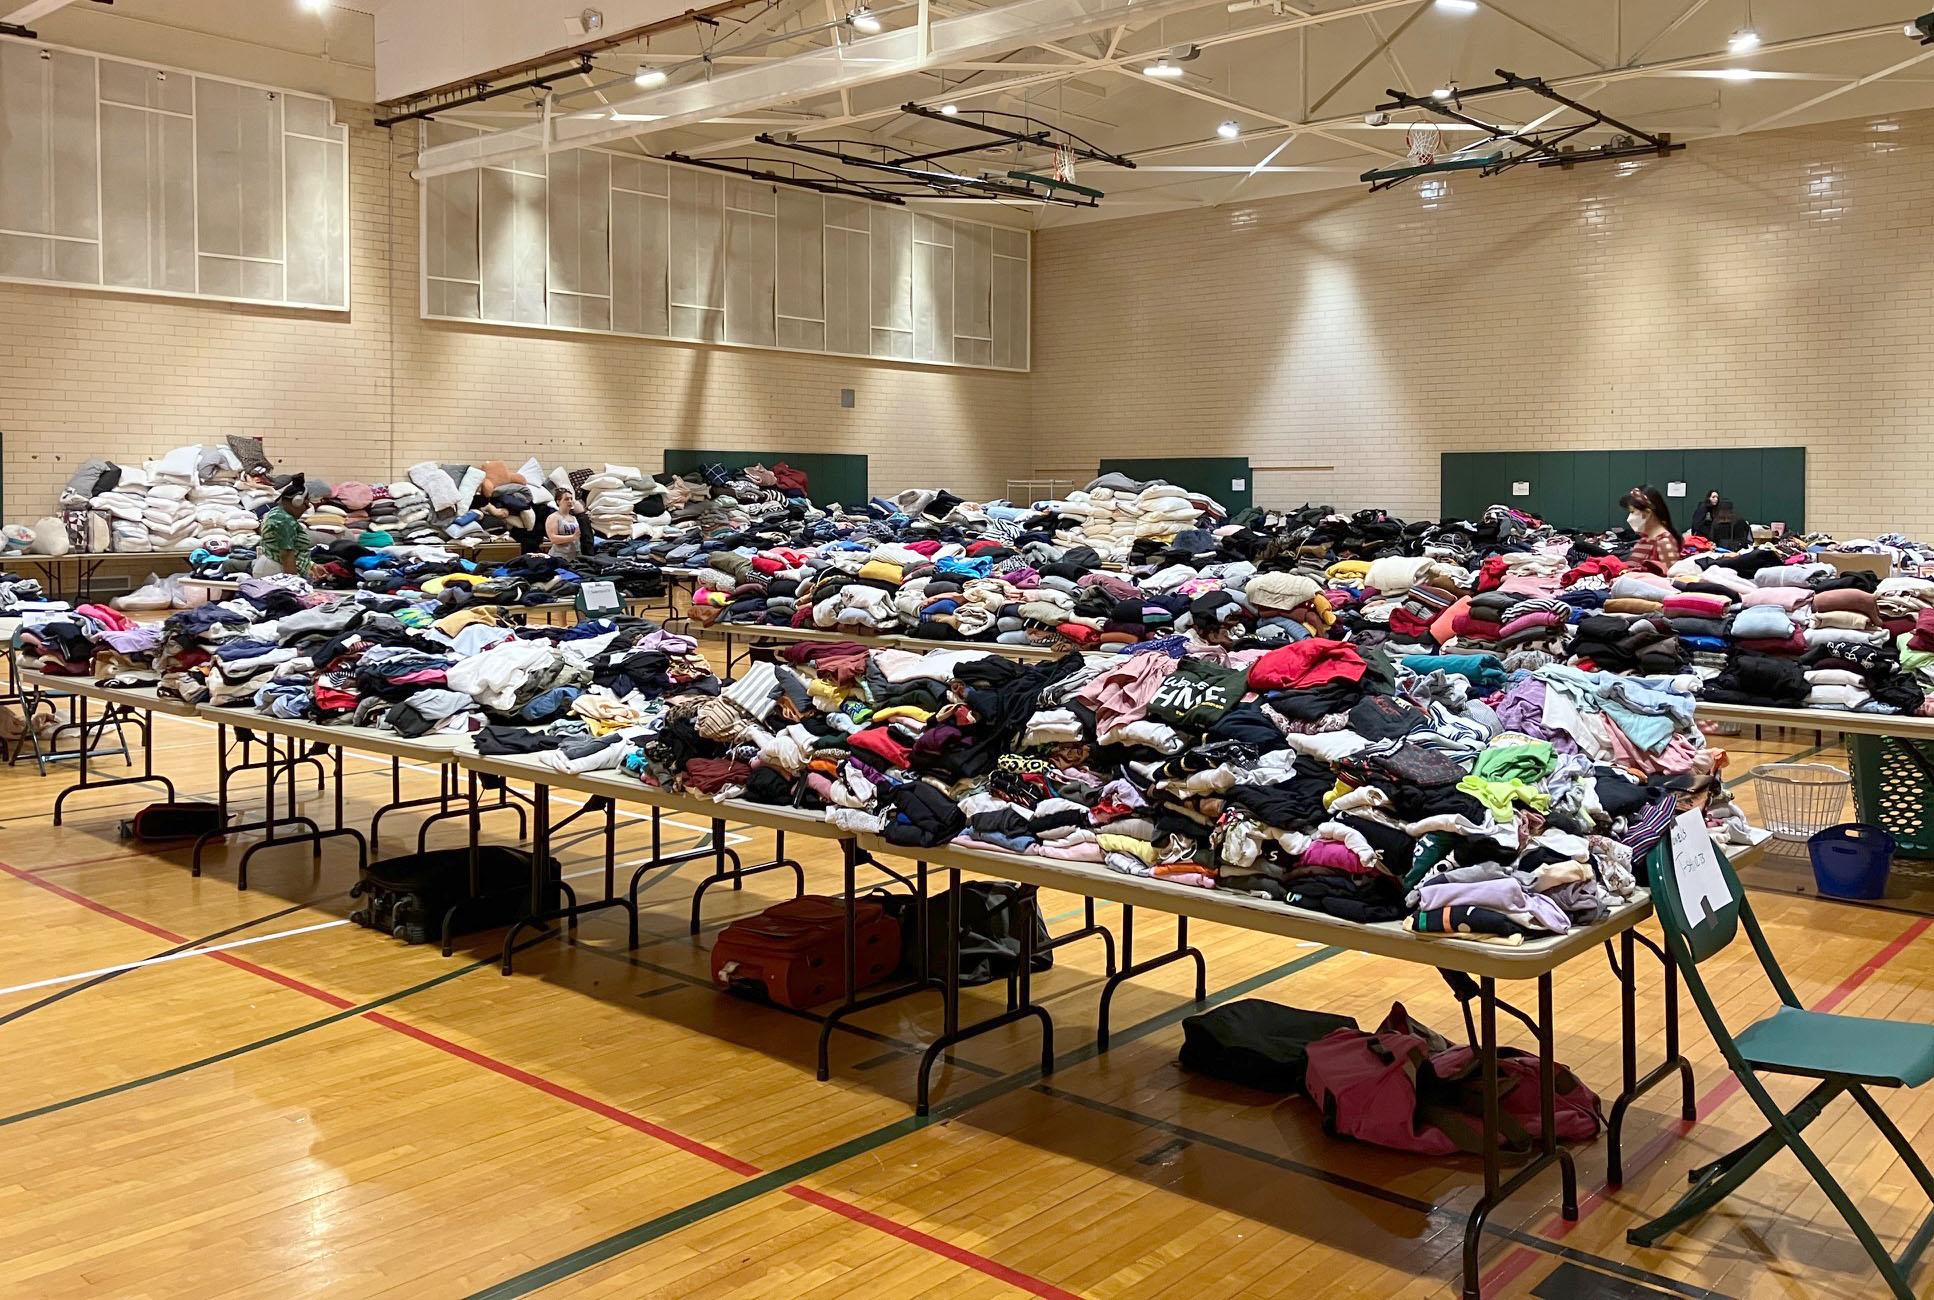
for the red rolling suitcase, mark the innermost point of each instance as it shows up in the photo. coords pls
(791, 953)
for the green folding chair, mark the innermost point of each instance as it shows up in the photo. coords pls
(1847, 1054)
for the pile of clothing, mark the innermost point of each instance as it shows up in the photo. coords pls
(1114, 512)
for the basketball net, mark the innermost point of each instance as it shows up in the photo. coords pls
(1064, 165)
(1425, 142)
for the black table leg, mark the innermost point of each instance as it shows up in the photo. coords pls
(1674, 1063)
(1022, 1008)
(1130, 969)
(1497, 1188)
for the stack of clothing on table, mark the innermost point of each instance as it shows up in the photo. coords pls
(73, 643)
(1114, 512)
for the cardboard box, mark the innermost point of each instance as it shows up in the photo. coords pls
(1878, 565)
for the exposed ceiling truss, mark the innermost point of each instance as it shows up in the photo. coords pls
(1293, 83)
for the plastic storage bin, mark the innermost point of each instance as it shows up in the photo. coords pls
(1893, 791)
(1851, 861)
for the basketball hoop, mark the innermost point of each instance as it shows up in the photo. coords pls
(1425, 143)
(1064, 165)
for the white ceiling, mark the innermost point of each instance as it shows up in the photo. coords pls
(1297, 82)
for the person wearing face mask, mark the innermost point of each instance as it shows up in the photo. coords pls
(1659, 545)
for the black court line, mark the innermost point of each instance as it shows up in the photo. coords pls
(621, 1243)
(105, 976)
(189, 1067)
(1439, 1217)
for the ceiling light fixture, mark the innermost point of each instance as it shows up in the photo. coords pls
(1162, 68)
(315, 6)
(1458, 6)
(1230, 129)
(948, 110)
(864, 20)
(1444, 92)
(649, 75)
(1743, 40)
(1921, 29)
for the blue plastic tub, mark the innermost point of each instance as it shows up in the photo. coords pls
(1852, 861)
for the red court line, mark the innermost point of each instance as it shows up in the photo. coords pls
(959, 1254)
(576, 1098)
(946, 1249)
(123, 856)
(1558, 1227)
(92, 906)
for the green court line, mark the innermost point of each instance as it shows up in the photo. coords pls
(1440, 1217)
(650, 1230)
(190, 1067)
(1746, 776)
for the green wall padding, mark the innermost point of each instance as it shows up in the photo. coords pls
(829, 477)
(1580, 489)
(1213, 475)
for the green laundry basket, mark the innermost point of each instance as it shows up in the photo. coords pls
(1893, 788)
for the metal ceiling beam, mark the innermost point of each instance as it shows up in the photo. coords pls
(1838, 91)
(1011, 84)
(969, 37)
(1496, 7)
(35, 9)
(1367, 59)
(1684, 17)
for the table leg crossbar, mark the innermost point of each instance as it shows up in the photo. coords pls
(275, 827)
(117, 716)
(1130, 968)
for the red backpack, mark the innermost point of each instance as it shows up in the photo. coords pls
(1406, 1087)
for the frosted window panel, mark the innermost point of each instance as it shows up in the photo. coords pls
(148, 199)
(973, 352)
(145, 87)
(640, 175)
(314, 181)
(973, 277)
(849, 214)
(933, 302)
(639, 249)
(48, 146)
(513, 248)
(450, 225)
(802, 335)
(697, 277)
(580, 227)
(751, 247)
(892, 269)
(750, 196)
(933, 230)
(896, 344)
(1009, 243)
(576, 311)
(234, 277)
(448, 298)
(305, 115)
(847, 306)
(699, 324)
(1010, 313)
(238, 169)
(802, 237)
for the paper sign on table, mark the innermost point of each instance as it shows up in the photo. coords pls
(1702, 885)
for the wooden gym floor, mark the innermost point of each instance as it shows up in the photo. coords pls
(327, 1111)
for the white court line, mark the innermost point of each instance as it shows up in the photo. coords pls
(172, 956)
(731, 836)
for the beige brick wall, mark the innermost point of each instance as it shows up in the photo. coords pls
(1772, 289)
(86, 374)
